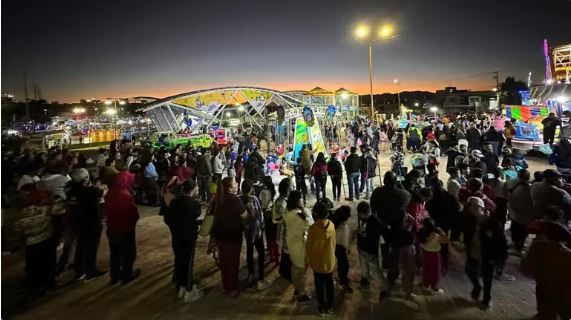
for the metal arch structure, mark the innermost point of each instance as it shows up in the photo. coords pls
(205, 107)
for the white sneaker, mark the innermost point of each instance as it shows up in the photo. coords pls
(263, 285)
(195, 294)
(181, 292)
(438, 291)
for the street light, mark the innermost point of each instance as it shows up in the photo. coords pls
(397, 82)
(434, 109)
(363, 32)
(112, 113)
(416, 104)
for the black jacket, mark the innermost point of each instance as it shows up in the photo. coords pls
(334, 168)
(181, 218)
(368, 234)
(352, 163)
(389, 203)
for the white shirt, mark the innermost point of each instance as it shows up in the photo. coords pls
(453, 187)
(342, 235)
(297, 236)
(27, 179)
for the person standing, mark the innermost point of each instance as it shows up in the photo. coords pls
(267, 196)
(521, 211)
(181, 218)
(229, 213)
(548, 261)
(320, 250)
(150, 178)
(342, 240)
(83, 201)
(352, 167)
(549, 126)
(253, 232)
(335, 172)
(319, 173)
(278, 211)
(474, 138)
(204, 174)
(509, 132)
(486, 248)
(390, 203)
(297, 223)
(122, 217)
(371, 172)
(36, 228)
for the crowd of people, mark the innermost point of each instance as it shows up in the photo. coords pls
(405, 226)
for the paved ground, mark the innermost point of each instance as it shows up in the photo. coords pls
(153, 297)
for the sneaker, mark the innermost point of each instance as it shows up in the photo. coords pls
(438, 291)
(329, 310)
(262, 285)
(94, 276)
(136, 274)
(81, 277)
(486, 306)
(505, 277)
(304, 298)
(320, 312)
(181, 292)
(195, 294)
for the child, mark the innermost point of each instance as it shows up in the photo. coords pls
(300, 178)
(254, 224)
(267, 196)
(398, 161)
(368, 242)
(430, 238)
(342, 235)
(320, 250)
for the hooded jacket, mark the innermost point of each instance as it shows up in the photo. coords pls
(296, 236)
(320, 246)
(122, 213)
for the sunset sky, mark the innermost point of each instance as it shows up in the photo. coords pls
(85, 49)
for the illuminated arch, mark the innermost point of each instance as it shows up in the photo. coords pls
(208, 106)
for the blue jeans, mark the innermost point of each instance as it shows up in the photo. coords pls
(353, 183)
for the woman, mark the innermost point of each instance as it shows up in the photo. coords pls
(229, 211)
(278, 212)
(319, 173)
(434, 153)
(509, 133)
(297, 222)
(335, 171)
(181, 219)
(267, 196)
(150, 177)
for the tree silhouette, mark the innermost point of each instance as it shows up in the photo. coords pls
(509, 91)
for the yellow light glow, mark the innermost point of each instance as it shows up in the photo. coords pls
(108, 102)
(344, 95)
(387, 31)
(111, 112)
(121, 102)
(362, 31)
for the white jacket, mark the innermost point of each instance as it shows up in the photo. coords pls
(218, 165)
(297, 236)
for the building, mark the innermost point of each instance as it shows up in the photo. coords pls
(452, 100)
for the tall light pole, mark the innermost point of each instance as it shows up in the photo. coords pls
(363, 32)
(397, 82)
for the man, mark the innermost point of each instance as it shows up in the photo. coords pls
(474, 137)
(352, 167)
(101, 157)
(108, 173)
(83, 201)
(520, 208)
(389, 203)
(414, 137)
(549, 125)
(122, 216)
(204, 174)
(549, 193)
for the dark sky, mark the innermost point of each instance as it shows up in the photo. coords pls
(119, 48)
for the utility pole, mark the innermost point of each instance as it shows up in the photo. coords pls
(26, 96)
(497, 77)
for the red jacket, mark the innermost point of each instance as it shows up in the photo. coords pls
(122, 213)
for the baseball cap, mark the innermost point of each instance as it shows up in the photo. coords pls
(80, 174)
(476, 201)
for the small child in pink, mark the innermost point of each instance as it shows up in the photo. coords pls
(431, 237)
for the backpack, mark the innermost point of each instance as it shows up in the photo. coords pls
(321, 172)
(413, 135)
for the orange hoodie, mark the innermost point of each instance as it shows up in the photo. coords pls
(320, 246)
